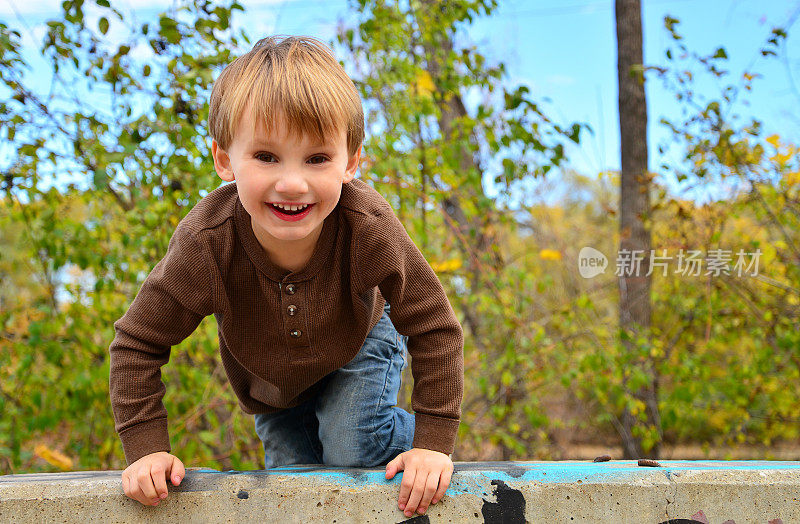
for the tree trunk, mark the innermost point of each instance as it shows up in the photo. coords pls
(634, 288)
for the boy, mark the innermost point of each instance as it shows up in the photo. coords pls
(312, 280)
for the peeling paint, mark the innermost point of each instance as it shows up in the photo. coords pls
(509, 508)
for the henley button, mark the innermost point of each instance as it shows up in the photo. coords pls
(290, 289)
(295, 333)
(291, 310)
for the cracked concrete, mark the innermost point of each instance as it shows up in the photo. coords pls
(674, 485)
(615, 491)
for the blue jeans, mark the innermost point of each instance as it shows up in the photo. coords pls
(353, 421)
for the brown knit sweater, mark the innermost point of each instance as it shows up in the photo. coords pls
(273, 358)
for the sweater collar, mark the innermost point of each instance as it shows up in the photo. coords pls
(260, 259)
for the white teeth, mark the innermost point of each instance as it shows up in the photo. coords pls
(291, 208)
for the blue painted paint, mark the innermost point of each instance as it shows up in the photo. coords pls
(348, 476)
(475, 478)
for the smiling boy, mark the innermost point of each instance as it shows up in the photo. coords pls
(317, 289)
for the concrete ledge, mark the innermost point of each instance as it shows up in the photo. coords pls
(508, 492)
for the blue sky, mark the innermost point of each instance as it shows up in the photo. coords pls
(564, 50)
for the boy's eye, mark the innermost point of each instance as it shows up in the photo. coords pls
(317, 159)
(266, 157)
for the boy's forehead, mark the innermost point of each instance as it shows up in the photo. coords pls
(258, 130)
(264, 139)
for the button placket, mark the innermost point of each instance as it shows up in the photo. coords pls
(291, 296)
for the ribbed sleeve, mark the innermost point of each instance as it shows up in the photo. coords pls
(389, 259)
(172, 301)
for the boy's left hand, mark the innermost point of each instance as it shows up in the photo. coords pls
(425, 479)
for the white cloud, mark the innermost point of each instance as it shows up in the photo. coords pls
(560, 80)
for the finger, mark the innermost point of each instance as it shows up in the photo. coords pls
(444, 483)
(145, 483)
(395, 465)
(405, 487)
(159, 475)
(430, 489)
(125, 483)
(417, 492)
(137, 495)
(177, 471)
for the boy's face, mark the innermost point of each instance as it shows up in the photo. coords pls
(278, 169)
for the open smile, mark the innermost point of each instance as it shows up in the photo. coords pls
(290, 213)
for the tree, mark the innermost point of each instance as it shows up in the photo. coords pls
(635, 242)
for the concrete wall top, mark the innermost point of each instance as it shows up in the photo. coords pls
(616, 491)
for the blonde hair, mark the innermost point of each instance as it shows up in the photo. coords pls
(293, 76)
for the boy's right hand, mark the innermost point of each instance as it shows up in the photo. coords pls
(145, 479)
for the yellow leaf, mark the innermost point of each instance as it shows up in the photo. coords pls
(792, 179)
(424, 83)
(781, 158)
(56, 458)
(717, 420)
(550, 254)
(447, 265)
(774, 141)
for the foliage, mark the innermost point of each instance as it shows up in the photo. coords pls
(723, 343)
(133, 176)
(414, 78)
(543, 362)
(748, 347)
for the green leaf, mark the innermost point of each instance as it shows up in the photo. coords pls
(100, 178)
(103, 25)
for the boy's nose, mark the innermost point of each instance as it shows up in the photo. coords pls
(290, 182)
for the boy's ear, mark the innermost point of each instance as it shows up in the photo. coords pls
(352, 166)
(222, 162)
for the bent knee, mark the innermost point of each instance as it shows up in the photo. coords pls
(365, 446)
(349, 446)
